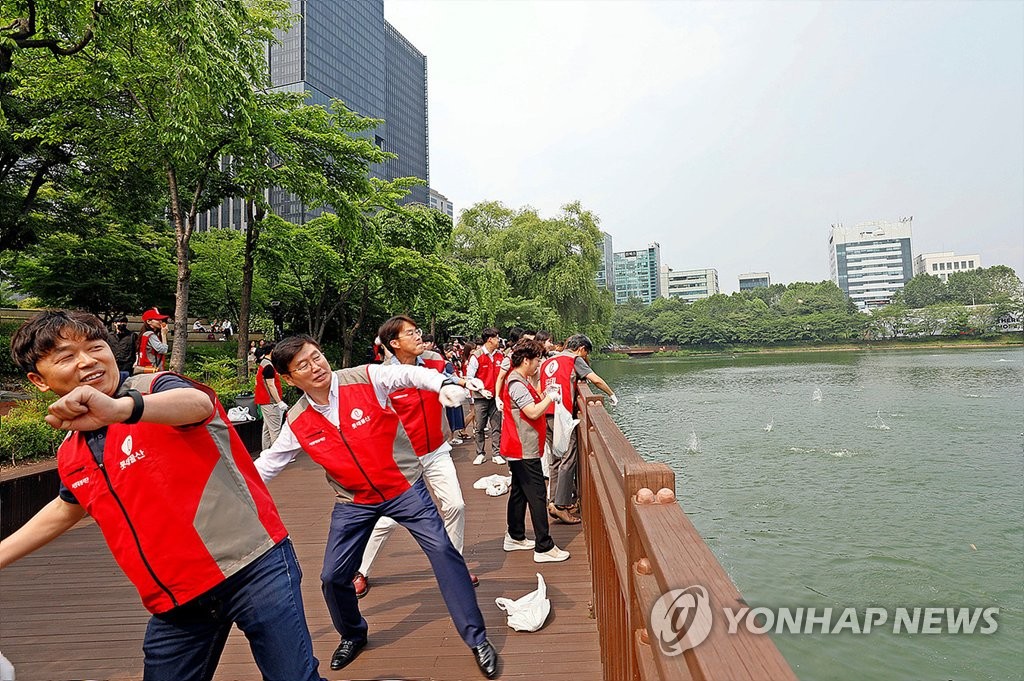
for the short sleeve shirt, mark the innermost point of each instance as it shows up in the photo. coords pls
(520, 394)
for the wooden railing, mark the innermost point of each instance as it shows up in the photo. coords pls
(641, 546)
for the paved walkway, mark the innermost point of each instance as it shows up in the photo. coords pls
(67, 613)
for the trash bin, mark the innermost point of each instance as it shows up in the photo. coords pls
(251, 432)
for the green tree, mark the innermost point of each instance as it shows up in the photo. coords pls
(107, 272)
(165, 89)
(923, 290)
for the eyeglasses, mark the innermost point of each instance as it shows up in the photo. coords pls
(307, 365)
(412, 333)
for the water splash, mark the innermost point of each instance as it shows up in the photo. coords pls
(693, 444)
(816, 397)
(770, 425)
(879, 424)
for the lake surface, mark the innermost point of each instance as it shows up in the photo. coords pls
(887, 479)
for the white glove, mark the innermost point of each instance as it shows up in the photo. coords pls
(498, 404)
(487, 394)
(613, 399)
(452, 395)
(282, 405)
(554, 392)
(474, 384)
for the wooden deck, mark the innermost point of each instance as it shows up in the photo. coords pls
(67, 612)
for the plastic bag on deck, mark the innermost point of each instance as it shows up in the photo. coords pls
(564, 425)
(529, 612)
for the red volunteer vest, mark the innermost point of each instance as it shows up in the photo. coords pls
(560, 370)
(487, 369)
(529, 434)
(368, 457)
(144, 355)
(182, 509)
(421, 412)
(261, 391)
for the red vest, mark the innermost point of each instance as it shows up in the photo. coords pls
(560, 370)
(144, 354)
(182, 509)
(526, 440)
(421, 412)
(368, 458)
(488, 367)
(262, 392)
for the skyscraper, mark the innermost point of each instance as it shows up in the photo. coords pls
(871, 261)
(606, 271)
(638, 274)
(346, 50)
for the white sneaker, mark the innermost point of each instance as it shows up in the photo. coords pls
(498, 459)
(555, 555)
(519, 544)
(479, 459)
(455, 441)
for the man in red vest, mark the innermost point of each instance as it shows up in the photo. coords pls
(152, 342)
(563, 370)
(485, 365)
(345, 421)
(423, 418)
(155, 462)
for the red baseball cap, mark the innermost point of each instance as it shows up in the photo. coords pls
(153, 313)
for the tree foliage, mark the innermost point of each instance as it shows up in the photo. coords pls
(546, 266)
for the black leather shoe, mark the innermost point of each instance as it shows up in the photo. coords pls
(486, 658)
(347, 652)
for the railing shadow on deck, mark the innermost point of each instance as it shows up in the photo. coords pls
(641, 546)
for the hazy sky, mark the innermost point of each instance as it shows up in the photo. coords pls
(734, 133)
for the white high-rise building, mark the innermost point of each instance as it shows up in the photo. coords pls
(871, 261)
(752, 280)
(942, 265)
(439, 201)
(689, 285)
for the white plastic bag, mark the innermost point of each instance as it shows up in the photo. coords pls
(564, 425)
(239, 414)
(494, 485)
(529, 612)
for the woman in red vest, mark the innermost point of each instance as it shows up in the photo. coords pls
(522, 444)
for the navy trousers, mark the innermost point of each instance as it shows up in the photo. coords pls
(414, 509)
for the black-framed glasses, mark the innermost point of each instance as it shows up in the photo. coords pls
(307, 365)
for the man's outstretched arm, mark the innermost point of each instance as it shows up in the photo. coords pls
(53, 520)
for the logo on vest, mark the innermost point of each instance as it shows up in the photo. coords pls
(551, 368)
(357, 418)
(79, 483)
(130, 456)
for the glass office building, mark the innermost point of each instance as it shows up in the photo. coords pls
(638, 274)
(347, 51)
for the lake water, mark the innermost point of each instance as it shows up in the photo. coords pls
(887, 479)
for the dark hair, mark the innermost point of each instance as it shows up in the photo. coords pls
(37, 337)
(526, 350)
(262, 352)
(467, 350)
(428, 338)
(578, 341)
(489, 332)
(390, 329)
(514, 334)
(542, 336)
(286, 349)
